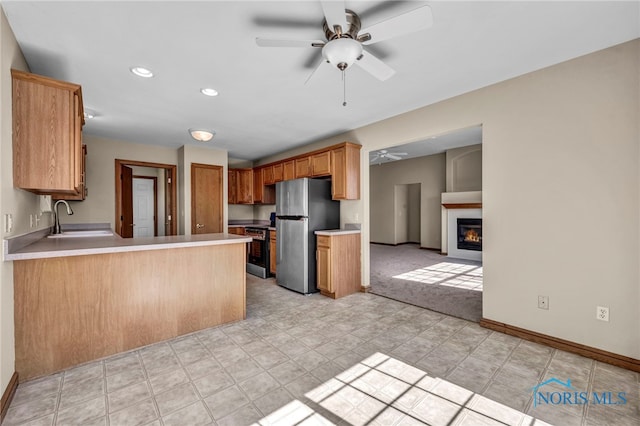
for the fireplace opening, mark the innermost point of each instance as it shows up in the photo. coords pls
(470, 234)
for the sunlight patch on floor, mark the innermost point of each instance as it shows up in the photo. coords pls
(381, 390)
(448, 274)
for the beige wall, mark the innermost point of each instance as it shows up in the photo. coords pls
(193, 154)
(20, 204)
(560, 153)
(464, 169)
(100, 204)
(386, 220)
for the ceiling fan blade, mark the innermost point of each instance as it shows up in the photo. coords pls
(374, 159)
(265, 42)
(393, 157)
(399, 153)
(315, 68)
(406, 23)
(375, 66)
(335, 13)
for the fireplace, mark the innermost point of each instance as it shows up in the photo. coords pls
(470, 234)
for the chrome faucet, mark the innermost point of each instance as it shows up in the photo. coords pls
(56, 229)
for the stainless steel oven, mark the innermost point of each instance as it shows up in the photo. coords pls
(258, 251)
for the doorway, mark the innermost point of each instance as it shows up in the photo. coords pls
(166, 193)
(145, 206)
(206, 199)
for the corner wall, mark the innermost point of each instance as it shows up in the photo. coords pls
(20, 204)
(560, 153)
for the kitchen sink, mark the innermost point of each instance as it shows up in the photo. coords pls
(83, 234)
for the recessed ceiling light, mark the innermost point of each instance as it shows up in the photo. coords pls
(209, 91)
(89, 114)
(202, 135)
(142, 72)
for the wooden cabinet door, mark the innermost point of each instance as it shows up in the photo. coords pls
(232, 186)
(303, 167)
(289, 170)
(267, 175)
(47, 134)
(345, 173)
(272, 252)
(245, 186)
(206, 199)
(236, 230)
(324, 264)
(321, 164)
(278, 172)
(82, 189)
(258, 186)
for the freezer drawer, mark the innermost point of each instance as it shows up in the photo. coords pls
(292, 254)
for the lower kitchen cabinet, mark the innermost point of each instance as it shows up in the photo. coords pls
(338, 263)
(272, 252)
(237, 230)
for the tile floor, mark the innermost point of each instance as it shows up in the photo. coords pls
(362, 359)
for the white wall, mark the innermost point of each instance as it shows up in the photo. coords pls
(560, 152)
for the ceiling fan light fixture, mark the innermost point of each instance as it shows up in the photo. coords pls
(342, 52)
(201, 135)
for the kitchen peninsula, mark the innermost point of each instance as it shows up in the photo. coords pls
(81, 299)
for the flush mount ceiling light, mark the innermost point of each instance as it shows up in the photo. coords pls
(89, 114)
(142, 72)
(207, 91)
(201, 135)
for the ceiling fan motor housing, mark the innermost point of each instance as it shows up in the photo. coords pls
(354, 26)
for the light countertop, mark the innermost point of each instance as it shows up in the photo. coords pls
(330, 232)
(40, 247)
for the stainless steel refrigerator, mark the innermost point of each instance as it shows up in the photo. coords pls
(302, 207)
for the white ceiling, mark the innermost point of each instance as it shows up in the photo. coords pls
(264, 106)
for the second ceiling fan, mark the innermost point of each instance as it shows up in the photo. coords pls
(346, 40)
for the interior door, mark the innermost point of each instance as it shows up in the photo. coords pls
(206, 199)
(144, 206)
(126, 189)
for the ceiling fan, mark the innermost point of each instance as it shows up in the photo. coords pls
(345, 40)
(383, 154)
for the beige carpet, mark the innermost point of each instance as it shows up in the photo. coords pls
(427, 279)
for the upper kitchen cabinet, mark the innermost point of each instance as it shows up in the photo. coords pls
(240, 186)
(47, 135)
(345, 173)
(303, 167)
(232, 185)
(262, 194)
(288, 170)
(82, 194)
(278, 172)
(321, 164)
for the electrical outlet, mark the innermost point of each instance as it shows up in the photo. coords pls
(602, 313)
(543, 302)
(30, 221)
(8, 223)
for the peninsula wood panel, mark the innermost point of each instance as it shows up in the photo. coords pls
(71, 310)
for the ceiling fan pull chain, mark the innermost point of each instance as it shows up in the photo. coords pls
(344, 88)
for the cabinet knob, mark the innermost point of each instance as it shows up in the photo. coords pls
(199, 225)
